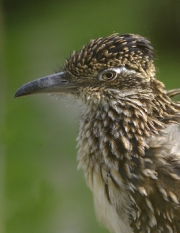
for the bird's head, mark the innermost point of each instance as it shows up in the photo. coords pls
(117, 64)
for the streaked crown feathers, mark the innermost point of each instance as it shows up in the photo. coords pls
(133, 51)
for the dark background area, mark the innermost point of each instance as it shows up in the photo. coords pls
(40, 187)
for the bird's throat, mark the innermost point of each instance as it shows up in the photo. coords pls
(112, 134)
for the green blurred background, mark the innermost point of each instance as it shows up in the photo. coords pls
(40, 187)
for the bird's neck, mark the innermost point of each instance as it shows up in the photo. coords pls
(119, 130)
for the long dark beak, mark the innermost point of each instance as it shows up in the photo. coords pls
(53, 83)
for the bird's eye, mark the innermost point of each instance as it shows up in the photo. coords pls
(108, 75)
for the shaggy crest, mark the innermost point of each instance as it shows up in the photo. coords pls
(132, 51)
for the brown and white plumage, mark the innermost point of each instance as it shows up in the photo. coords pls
(129, 134)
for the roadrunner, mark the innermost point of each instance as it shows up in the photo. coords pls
(129, 133)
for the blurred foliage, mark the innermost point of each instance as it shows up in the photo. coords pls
(41, 191)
